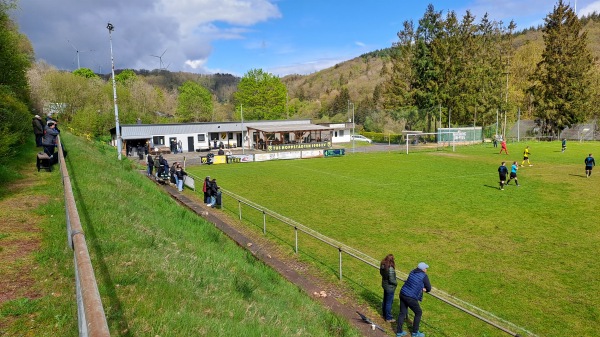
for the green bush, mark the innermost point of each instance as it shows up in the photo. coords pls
(14, 124)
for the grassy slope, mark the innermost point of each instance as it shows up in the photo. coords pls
(162, 271)
(523, 250)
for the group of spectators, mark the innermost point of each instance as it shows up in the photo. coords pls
(212, 195)
(46, 134)
(175, 174)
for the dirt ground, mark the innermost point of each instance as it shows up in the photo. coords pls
(19, 239)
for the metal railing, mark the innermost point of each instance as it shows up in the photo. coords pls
(470, 309)
(90, 313)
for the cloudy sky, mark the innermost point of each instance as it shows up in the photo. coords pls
(233, 36)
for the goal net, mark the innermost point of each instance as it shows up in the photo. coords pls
(429, 141)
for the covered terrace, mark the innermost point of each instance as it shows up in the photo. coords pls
(290, 137)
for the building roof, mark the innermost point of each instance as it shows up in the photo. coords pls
(146, 131)
(290, 128)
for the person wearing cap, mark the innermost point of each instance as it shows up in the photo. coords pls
(38, 129)
(410, 296)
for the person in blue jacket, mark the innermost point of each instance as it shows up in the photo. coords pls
(410, 296)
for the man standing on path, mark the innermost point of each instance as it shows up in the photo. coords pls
(526, 157)
(410, 296)
(502, 171)
(503, 147)
(589, 163)
(38, 129)
(513, 173)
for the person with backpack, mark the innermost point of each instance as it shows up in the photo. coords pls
(410, 296)
(387, 270)
(214, 189)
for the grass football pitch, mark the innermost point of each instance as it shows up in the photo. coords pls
(527, 254)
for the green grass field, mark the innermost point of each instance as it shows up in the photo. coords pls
(527, 254)
(161, 269)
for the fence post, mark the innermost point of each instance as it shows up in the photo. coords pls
(296, 232)
(264, 223)
(240, 208)
(340, 250)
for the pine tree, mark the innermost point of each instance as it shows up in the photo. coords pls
(561, 81)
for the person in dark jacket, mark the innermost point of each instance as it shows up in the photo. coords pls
(214, 189)
(49, 139)
(410, 296)
(38, 129)
(206, 190)
(150, 164)
(179, 176)
(387, 270)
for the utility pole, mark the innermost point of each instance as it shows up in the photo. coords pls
(110, 28)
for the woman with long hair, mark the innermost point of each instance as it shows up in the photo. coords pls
(388, 283)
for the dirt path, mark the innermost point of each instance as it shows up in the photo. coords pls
(338, 298)
(19, 238)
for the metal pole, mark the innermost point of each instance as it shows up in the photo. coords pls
(340, 250)
(110, 28)
(240, 208)
(519, 125)
(264, 223)
(243, 139)
(353, 125)
(296, 232)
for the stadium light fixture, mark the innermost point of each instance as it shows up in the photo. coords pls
(110, 28)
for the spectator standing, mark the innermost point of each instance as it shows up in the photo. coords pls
(38, 129)
(150, 164)
(49, 138)
(589, 164)
(387, 270)
(410, 296)
(206, 190)
(179, 146)
(502, 172)
(179, 176)
(157, 165)
(214, 189)
(495, 140)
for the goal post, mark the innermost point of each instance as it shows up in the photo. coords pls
(430, 141)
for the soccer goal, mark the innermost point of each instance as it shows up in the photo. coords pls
(430, 141)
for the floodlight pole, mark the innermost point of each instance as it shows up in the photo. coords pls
(110, 28)
(243, 139)
(353, 125)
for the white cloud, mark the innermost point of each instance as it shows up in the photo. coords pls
(589, 9)
(360, 44)
(305, 67)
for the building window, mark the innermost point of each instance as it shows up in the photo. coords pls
(341, 133)
(158, 140)
(201, 137)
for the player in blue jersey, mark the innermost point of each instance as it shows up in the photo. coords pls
(513, 173)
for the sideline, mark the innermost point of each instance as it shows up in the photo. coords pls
(339, 304)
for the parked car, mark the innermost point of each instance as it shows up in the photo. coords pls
(361, 138)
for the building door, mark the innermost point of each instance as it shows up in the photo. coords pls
(190, 144)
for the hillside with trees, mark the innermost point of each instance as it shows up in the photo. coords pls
(445, 69)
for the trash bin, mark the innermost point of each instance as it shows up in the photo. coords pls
(218, 200)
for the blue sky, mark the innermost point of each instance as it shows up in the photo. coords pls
(233, 36)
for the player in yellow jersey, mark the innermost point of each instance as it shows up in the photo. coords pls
(526, 154)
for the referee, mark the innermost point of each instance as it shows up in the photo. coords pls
(502, 171)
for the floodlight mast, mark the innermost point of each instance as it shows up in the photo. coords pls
(110, 28)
